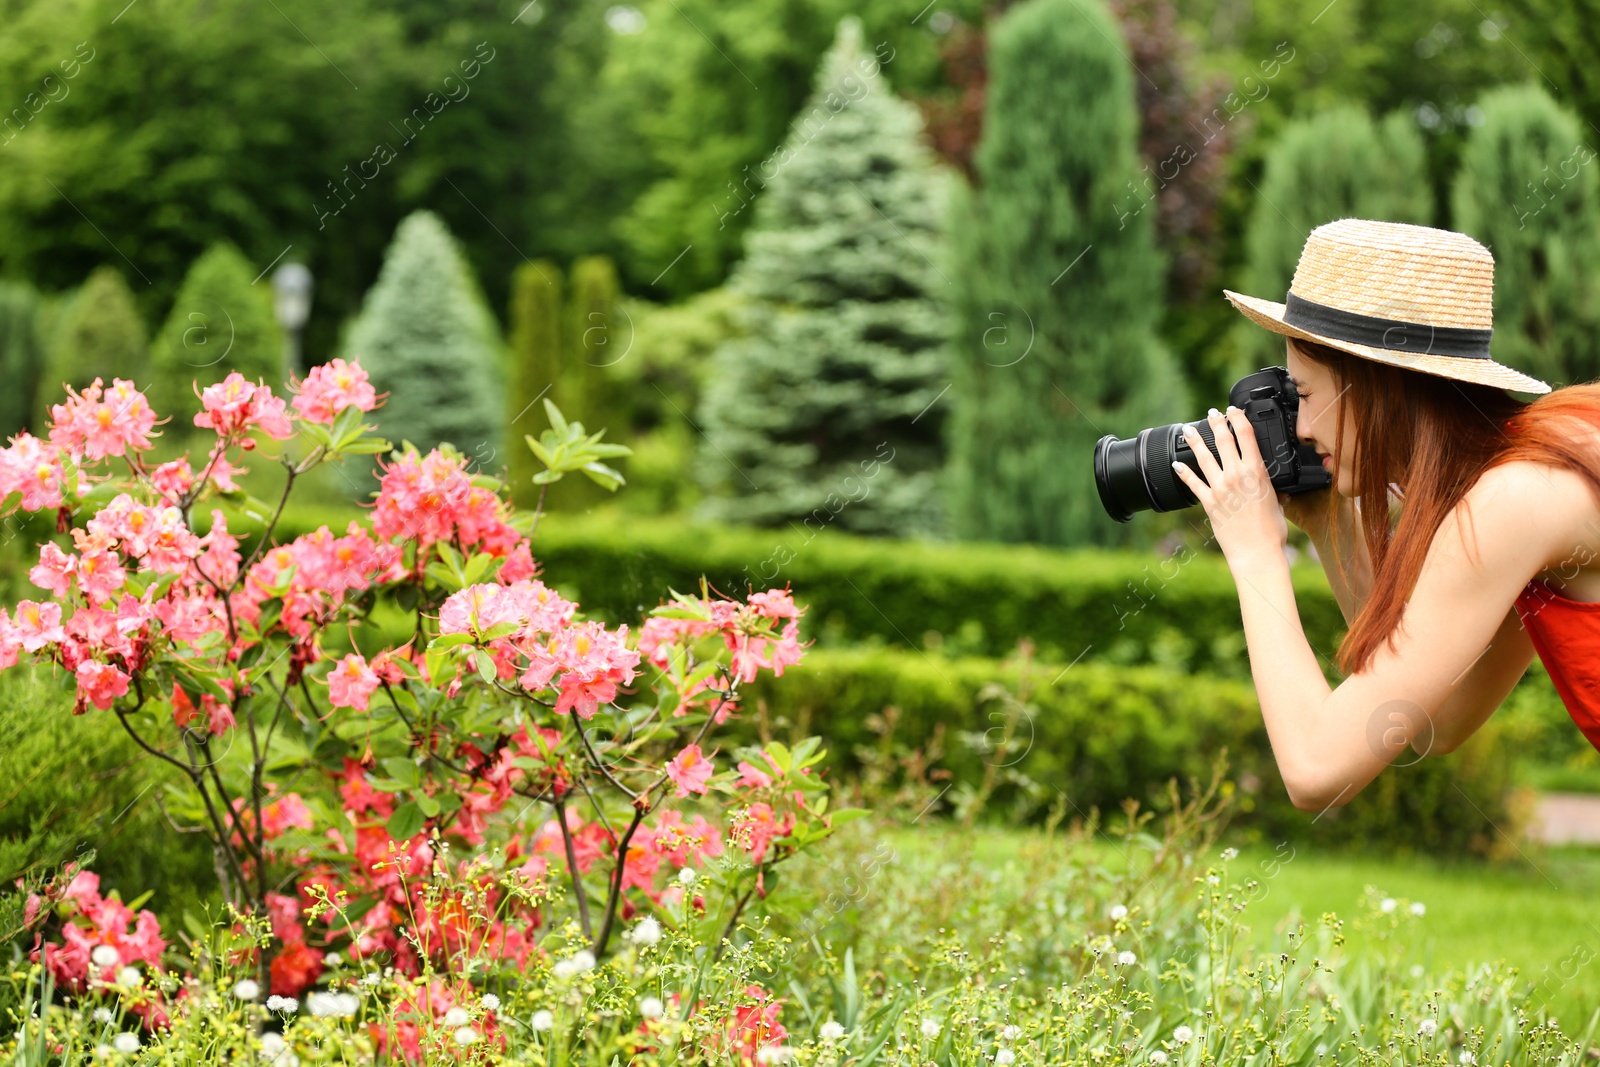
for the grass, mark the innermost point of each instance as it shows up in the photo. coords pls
(1537, 917)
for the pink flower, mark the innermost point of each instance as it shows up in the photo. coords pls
(331, 388)
(235, 405)
(690, 771)
(99, 423)
(100, 683)
(37, 625)
(33, 473)
(351, 683)
(280, 815)
(54, 570)
(476, 610)
(172, 480)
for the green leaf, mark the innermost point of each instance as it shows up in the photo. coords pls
(429, 806)
(848, 815)
(365, 446)
(447, 641)
(780, 755)
(546, 477)
(346, 426)
(406, 822)
(603, 475)
(557, 423)
(401, 769)
(485, 664)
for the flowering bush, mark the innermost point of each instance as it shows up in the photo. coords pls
(535, 762)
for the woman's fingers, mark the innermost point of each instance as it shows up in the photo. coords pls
(1227, 447)
(1202, 455)
(1201, 491)
(1245, 432)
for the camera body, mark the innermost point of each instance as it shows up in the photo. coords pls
(1135, 474)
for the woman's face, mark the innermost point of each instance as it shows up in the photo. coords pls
(1321, 409)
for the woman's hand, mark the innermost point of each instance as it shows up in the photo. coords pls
(1238, 495)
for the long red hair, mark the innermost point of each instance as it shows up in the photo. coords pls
(1434, 437)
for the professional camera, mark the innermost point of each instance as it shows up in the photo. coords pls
(1135, 474)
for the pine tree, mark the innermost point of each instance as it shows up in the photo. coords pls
(535, 345)
(1528, 189)
(21, 355)
(99, 335)
(428, 340)
(1058, 296)
(1336, 164)
(220, 323)
(823, 413)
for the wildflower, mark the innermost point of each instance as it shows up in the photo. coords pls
(100, 683)
(1158, 1057)
(832, 1030)
(690, 771)
(466, 1036)
(331, 959)
(542, 1020)
(1005, 1057)
(1427, 1028)
(1419, 909)
(371, 978)
(491, 1002)
(276, 1050)
(457, 1017)
(105, 956)
(1387, 905)
(1466, 1057)
(651, 1008)
(1127, 959)
(687, 876)
(775, 1054)
(335, 1005)
(1010, 1032)
(930, 1027)
(283, 1004)
(247, 990)
(1229, 854)
(130, 976)
(125, 1042)
(1417, 970)
(647, 931)
(1322, 1049)
(1183, 1035)
(1212, 879)
(1118, 913)
(103, 1016)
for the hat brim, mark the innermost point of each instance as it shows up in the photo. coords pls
(1269, 314)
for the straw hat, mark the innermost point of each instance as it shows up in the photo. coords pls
(1409, 296)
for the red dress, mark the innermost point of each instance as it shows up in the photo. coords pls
(1566, 634)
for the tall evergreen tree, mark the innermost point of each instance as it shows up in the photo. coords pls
(1336, 164)
(1058, 296)
(220, 323)
(99, 335)
(1528, 188)
(593, 339)
(21, 355)
(535, 349)
(427, 339)
(824, 410)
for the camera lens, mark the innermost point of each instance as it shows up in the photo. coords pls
(1135, 473)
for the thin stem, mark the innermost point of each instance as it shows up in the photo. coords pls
(572, 868)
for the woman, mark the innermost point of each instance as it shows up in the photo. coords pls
(1496, 553)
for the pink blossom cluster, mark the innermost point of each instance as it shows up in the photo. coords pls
(585, 662)
(747, 630)
(100, 422)
(100, 936)
(332, 387)
(235, 406)
(428, 499)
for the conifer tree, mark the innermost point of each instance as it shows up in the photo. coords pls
(1529, 188)
(1058, 295)
(220, 323)
(427, 339)
(824, 411)
(99, 335)
(21, 355)
(535, 348)
(1336, 164)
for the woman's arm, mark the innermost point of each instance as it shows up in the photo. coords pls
(1344, 532)
(1329, 743)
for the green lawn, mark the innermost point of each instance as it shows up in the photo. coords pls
(1538, 917)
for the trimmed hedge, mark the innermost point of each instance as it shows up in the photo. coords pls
(1099, 733)
(963, 599)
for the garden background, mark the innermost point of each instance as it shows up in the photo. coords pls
(859, 284)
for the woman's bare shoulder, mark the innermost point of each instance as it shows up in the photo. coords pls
(1536, 504)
